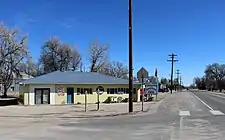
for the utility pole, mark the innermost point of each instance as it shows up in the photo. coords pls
(180, 83)
(157, 83)
(172, 60)
(142, 88)
(130, 59)
(178, 74)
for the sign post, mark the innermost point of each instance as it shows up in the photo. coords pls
(141, 74)
(85, 101)
(142, 84)
(99, 92)
(98, 99)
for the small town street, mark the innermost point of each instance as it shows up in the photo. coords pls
(162, 122)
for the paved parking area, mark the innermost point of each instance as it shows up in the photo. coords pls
(74, 111)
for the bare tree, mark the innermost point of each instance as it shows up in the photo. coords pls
(117, 69)
(200, 82)
(210, 83)
(197, 82)
(58, 56)
(76, 60)
(49, 55)
(64, 54)
(192, 86)
(98, 56)
(13, 50)
(29, 67)
(216, 72)
(164, 82)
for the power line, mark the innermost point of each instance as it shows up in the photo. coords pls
(172, 60)
(181, 82)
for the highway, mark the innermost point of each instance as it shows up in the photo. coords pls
(215, 101)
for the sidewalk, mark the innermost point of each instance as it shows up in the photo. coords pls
(77, 111)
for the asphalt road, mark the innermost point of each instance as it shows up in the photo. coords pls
(163, 123)
(215, 101)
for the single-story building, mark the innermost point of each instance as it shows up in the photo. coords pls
(69, 87)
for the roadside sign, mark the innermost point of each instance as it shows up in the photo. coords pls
(151, 85)
(151, 89)
(100, 92)
(142, 73)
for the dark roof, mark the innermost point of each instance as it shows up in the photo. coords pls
(70, 77)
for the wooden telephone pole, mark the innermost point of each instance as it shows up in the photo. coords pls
(172, 60)
(130, 59)
(178, 75)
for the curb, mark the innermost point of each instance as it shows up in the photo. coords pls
(91, 116)
(108, 115)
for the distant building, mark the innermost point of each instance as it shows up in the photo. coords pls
(14, 89)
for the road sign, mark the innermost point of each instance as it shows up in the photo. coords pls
(151, 85)
(100, 92)
(151, 89)
(142, 73)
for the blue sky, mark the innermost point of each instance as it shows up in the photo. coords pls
(193, 29)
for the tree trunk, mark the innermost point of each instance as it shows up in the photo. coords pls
(220, 85)
(5, 92)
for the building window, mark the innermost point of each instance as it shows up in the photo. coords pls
(121, 90)
(118, 91)
(115, 90)
(107, 90)
(111, 91)
(12, 88)
(82, 90)
(127, 91)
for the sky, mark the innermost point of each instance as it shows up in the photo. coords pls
(192, 29)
